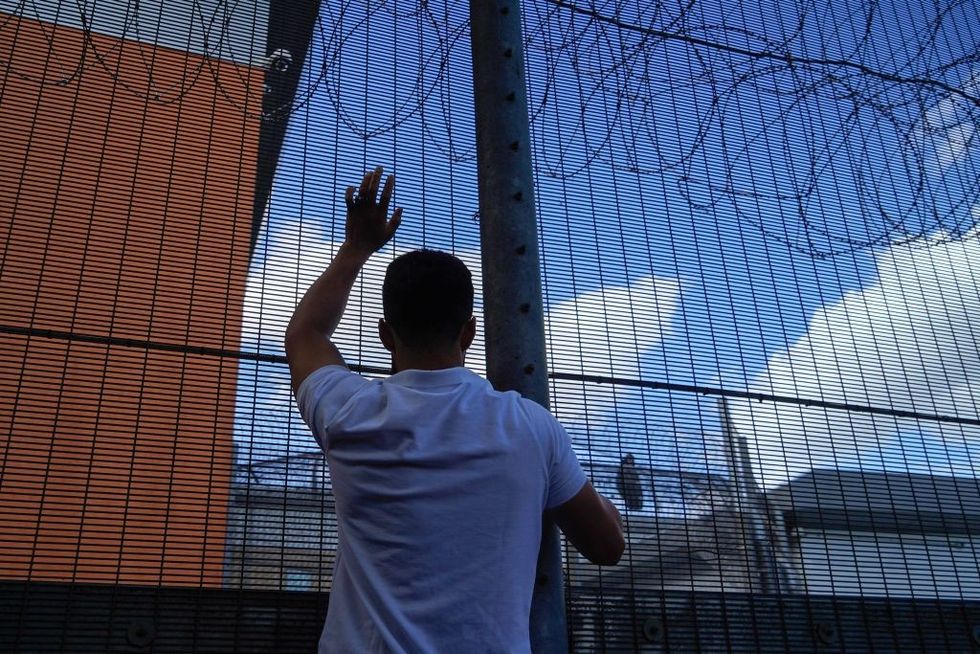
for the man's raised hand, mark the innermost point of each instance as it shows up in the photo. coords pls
(368, 226)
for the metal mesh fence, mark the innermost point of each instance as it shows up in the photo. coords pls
(758, 230)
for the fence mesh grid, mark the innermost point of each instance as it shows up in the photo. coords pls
(759, 242)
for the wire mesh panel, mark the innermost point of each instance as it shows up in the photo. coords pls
(761, 267)
(759, 227)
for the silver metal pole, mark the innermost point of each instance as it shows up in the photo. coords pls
(512, 303)
(751, 502)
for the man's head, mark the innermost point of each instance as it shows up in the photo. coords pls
(428, 298)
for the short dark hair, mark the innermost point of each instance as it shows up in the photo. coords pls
(428, 297)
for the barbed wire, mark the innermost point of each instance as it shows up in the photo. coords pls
(800, 119)
(840, 155)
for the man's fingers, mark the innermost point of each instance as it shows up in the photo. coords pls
(396, 220)
(365, 187)
(386, 194)
(367, 193)
(375, 182)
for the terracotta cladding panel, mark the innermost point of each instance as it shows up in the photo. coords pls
(124, 215)
(127, 194)
(145, 455)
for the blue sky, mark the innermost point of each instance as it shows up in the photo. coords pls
(706, 218)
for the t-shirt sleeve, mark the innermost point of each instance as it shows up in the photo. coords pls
(566, 477)
(323, 393)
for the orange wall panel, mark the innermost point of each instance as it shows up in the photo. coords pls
(125, 209)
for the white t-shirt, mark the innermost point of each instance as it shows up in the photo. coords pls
(440, 482)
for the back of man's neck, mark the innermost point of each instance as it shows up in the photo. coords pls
(428, 361)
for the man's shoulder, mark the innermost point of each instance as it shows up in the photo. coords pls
(328, 376)
(327, 389)
(533, 410)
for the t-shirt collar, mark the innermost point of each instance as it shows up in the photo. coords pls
(415, 378)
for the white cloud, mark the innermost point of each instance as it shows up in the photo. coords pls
(606, 333)
(910, 342)
(948, 128)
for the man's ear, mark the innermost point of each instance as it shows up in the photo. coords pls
(387, 336)
(468, 333)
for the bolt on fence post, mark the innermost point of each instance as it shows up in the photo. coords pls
(512, 302)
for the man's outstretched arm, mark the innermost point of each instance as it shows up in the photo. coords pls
(593, 525)
(368, 229)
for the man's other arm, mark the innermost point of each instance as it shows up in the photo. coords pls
(307, 342)
(593, 525)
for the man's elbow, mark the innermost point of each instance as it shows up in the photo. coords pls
(297, 333)
(615, 552)
(289, 339)
(609, 552)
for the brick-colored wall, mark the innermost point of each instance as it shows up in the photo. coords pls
(126, 187)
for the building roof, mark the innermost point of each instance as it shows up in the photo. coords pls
(878, 501)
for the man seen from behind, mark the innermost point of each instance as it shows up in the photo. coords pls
(440, 481)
